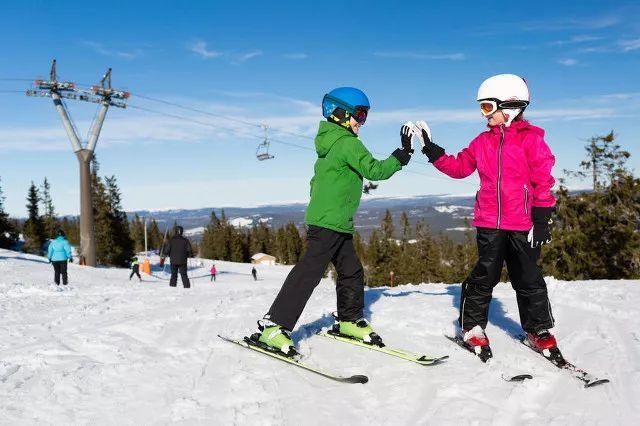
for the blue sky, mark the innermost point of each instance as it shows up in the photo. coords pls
(271, 62)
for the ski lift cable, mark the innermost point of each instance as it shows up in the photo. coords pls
(225, 117)
(275, 129)
(201, 111)
(215, 126)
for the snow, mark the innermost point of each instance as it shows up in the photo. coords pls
(107, 350)
(450, 209)
(194, 231)
(241, 222)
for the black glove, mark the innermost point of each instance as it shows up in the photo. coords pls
(404, 154)
(540, 233)
(430, 149)
(71, 260)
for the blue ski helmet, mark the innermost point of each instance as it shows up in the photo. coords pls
(347, 98)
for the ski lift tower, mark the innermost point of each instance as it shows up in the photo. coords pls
(105, 96)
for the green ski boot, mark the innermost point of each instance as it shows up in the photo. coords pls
(358, 330)
(274, 338)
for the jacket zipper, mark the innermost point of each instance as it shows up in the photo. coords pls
(500, 174)
(526, 199)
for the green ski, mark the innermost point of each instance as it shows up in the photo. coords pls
(249, 344)
(400, 353)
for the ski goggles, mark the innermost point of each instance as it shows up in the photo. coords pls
(360, 115)
(491, 105)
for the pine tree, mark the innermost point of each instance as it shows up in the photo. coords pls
(604, 163)
(7, 230)
(33, 229)
(71, 228)
(49, 217)
(595, 235)
(122, 252)
(137, 233)
(154, 236)
(114, 245)
(102, 217)
(294, 243)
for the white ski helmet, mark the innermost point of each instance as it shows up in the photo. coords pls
(506, 92)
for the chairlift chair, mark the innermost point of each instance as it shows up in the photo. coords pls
(262, 152)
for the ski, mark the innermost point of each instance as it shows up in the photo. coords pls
(554, 356)
(458, 341)
(249, 344)
(399, 353)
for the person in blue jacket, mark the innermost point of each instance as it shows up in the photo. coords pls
(59, 253)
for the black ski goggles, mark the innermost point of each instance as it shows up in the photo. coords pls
(360, 115)
(491, 105)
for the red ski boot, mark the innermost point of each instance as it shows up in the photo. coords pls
(542, 341)
(476, 341)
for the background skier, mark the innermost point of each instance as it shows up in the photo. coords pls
(254, 273)
(336, 188)
(213, 271)
(135, 268)
(512, 210)
(59, 254)
(179, 250)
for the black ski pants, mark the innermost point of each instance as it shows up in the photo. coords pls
(60, 268)
(173, 281)
(323, 246)
(135, 271)
(495, 247)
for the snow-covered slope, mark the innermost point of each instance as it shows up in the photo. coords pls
(108, 350)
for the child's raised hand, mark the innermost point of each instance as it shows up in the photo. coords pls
(422, 126)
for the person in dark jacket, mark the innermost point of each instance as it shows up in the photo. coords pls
(254, 273)
(135, 268)
(59, 253)
(178, 249)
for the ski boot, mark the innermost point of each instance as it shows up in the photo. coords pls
(274, 338)
(544, 342)
(357, 330)
(477, 342)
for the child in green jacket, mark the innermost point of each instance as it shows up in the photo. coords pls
(336, 188)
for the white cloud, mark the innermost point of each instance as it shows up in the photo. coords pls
(99, 48)
(243, 57)
(630, 45)
(576, 40)
(569, 62)
(421, 55)
(290, 121)
(595, 23)
(199, 47)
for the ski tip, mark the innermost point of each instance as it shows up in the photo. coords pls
(357, 378)
(596, 383)
(518, 378)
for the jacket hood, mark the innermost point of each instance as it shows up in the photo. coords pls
(328, 135)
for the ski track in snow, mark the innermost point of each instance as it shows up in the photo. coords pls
(107, 350)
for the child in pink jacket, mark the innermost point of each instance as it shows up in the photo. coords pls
(512, 211)
(213, 272)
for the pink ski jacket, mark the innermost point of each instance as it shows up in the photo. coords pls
(213, 270)
(514, 164)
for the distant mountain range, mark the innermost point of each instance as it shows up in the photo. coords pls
(443, 213)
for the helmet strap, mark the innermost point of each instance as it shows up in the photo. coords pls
(341, 118)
